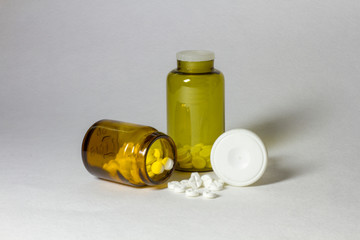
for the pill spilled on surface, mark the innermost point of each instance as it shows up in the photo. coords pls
(179, 189)
(196, 186)
(192, 192)
(209, 194)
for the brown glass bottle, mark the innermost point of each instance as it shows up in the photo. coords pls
(128, 153)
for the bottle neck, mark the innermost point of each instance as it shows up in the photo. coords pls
(195, 67)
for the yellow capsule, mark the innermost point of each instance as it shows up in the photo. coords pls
(151, 174)
(184, 159)
(208, 163)
(205, 152)
(207, 146)
(195, 150)
(164, 160)
(199, 162)
(125, 167)
(151, 151)
(182, 151)
(185, 165)
(106, 167)
(135, 176)
(150, 159)
(199, 145)
(111, 167)
(187, 147)
(157, 167)
(135, 171)
(157, 153)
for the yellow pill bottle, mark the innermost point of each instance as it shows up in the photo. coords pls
(128, 153)
(195, 108)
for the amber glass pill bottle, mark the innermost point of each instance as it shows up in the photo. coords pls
(128, 153)
(195, 108)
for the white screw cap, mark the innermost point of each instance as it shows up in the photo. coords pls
(195, 55)
(239, 157)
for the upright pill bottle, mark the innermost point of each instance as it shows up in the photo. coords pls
(195, 108)
(128, 153)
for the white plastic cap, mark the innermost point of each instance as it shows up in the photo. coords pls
(195, 56)
(239, 157)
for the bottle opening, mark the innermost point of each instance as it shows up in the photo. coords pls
(160, 160)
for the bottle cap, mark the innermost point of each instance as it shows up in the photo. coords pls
(195, 55)
(239, 157)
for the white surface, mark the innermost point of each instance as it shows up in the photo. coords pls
(239, 157)
(195, 55)
(292, 76)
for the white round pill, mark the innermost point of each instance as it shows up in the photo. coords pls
(221, 181)
(192, 192)
(215, 186)
(209, 194)
(192, 183)
(169, 164)
(195, 179)
(219, 184)
(179, 189)
(185, 183)
(207, 180)
(207, 184)
(172, 184)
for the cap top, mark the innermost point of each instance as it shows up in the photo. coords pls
(195, 55)
(239, 157)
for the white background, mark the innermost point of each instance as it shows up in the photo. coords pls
(292, 76)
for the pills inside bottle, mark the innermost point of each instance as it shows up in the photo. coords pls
(128, 153)
(196, 157)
